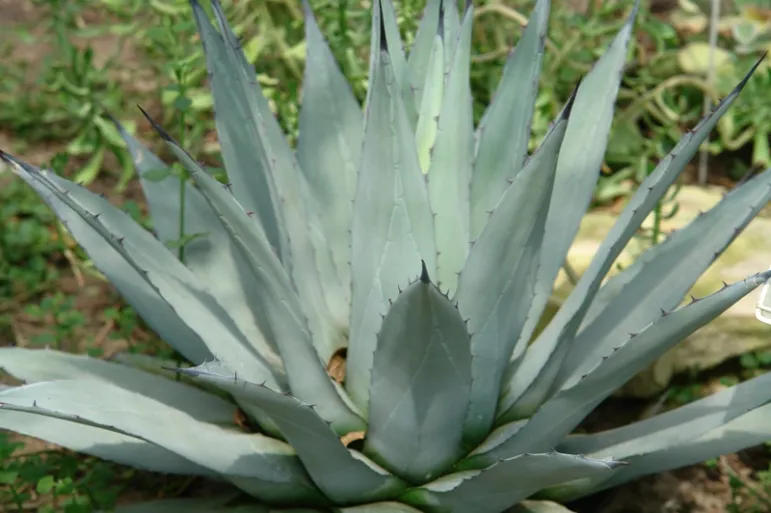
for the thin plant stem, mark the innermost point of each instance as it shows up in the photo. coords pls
(713, 22)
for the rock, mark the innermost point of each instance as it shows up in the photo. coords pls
(732, 334)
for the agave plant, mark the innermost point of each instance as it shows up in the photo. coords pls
(368, 301)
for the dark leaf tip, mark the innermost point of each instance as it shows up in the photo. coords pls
(163, 133)
(5, 157)
(424, 273)
(571, 100)
(747, 77)
(383, 38)
(440, 25)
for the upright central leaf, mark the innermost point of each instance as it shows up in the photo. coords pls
(421, 384)
(392, 227)
(497, 283)
(449, 177)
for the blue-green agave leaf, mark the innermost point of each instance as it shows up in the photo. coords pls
(33, 366)
(102, 443)
(724, 422)
(260, 465)
(431, 103)
(217, 504)
(421, 381)
(94, 216)
(449, 175)
(666, 274)
(497, 282)
(329, 145)
(423, 47)
(530, 385)
(451, 28)
(392, 227)
(558, 416)
(751, 429)
(579, 165)
(238, 119)
(199, 505)
(380, 507)
(505, 483)
(385, 33)
(163, 367)
(117, 244)
(398, 60)
(504, 132)
(675, 426)
(533, 506)
(306, 253)
(343, 475)
(305, 371)
(211, 254)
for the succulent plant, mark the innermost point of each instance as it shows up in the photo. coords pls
(367, 300)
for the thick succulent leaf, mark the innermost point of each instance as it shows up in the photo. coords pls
(423, 47)
(666, 274)
(101, 443)
(658, 183)
(163, 367)
(341, 474)
(262, 466)
(385, 33)
(33, 366)
(161, 190)
(532, 506)
(110, 235)
(211, 254)
(392, 228)
(202, 506)
(398, 60)
(504, 484)
(451, 28)
(674, 427)
(579, 164)
(308, 257)
(558, 416)
(449, 175)
(552, 344)
(748, 430)
(305, 371)
(329, 146)
(421, 381)
(609, 290)
(496, 284)
(431, 103)
(128, 280)
(730, 420)
(193, 505)
(380, 507)
(241, 136)
(390, 29)
(504, 132)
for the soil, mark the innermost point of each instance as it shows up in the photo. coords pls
(696, 489)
